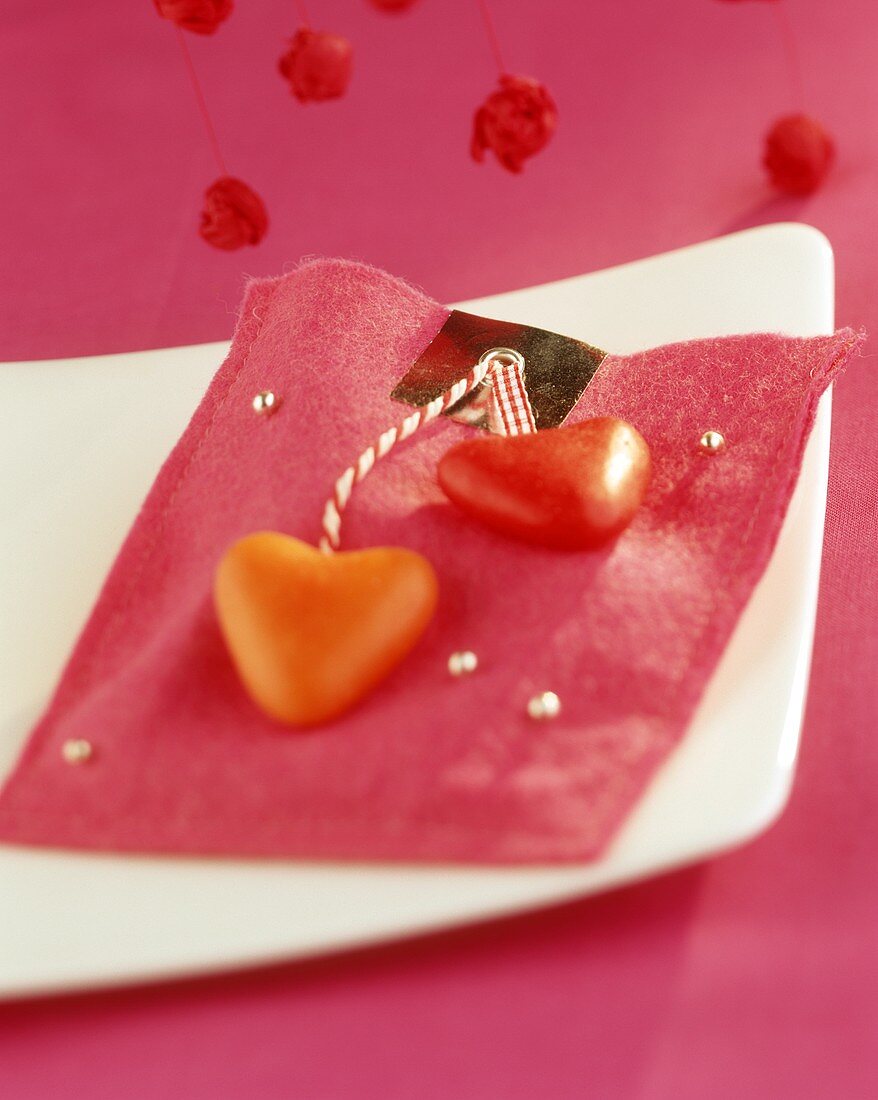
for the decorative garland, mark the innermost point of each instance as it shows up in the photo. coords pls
(515, 122)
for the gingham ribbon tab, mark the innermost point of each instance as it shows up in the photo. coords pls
(509, 408)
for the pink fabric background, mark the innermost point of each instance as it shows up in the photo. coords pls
(755, 975)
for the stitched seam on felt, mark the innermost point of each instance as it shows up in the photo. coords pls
(789, 439)
(146, 554)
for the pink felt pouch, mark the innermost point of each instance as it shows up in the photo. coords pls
(429, 766)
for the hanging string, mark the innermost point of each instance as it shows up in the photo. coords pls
(791, 49)
(518, 118)
(491, 32)
(202, 104)
(799, 151)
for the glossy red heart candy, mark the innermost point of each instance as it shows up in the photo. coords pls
(567, 488)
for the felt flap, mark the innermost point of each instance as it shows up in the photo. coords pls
(428, 767)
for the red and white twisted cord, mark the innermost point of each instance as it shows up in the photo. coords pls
(353, 475)
(495, 361)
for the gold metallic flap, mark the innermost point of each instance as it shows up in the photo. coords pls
(557, 368)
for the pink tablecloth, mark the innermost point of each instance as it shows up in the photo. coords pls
(755, 975)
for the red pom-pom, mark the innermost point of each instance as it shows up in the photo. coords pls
(200, 16)
(317, 65)
(233, 215)
(514, 122)
(392, 5)
(798, 154)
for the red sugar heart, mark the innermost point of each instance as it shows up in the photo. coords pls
(567, 488)
(311, 633)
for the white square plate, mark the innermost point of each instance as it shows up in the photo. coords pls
(74, 920)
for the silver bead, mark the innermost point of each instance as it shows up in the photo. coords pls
(265, 402)
(711, 442)
(463, 662)
(543, 706)
(77, 750)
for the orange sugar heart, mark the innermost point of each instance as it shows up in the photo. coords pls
(566, 488)
(312, 633)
